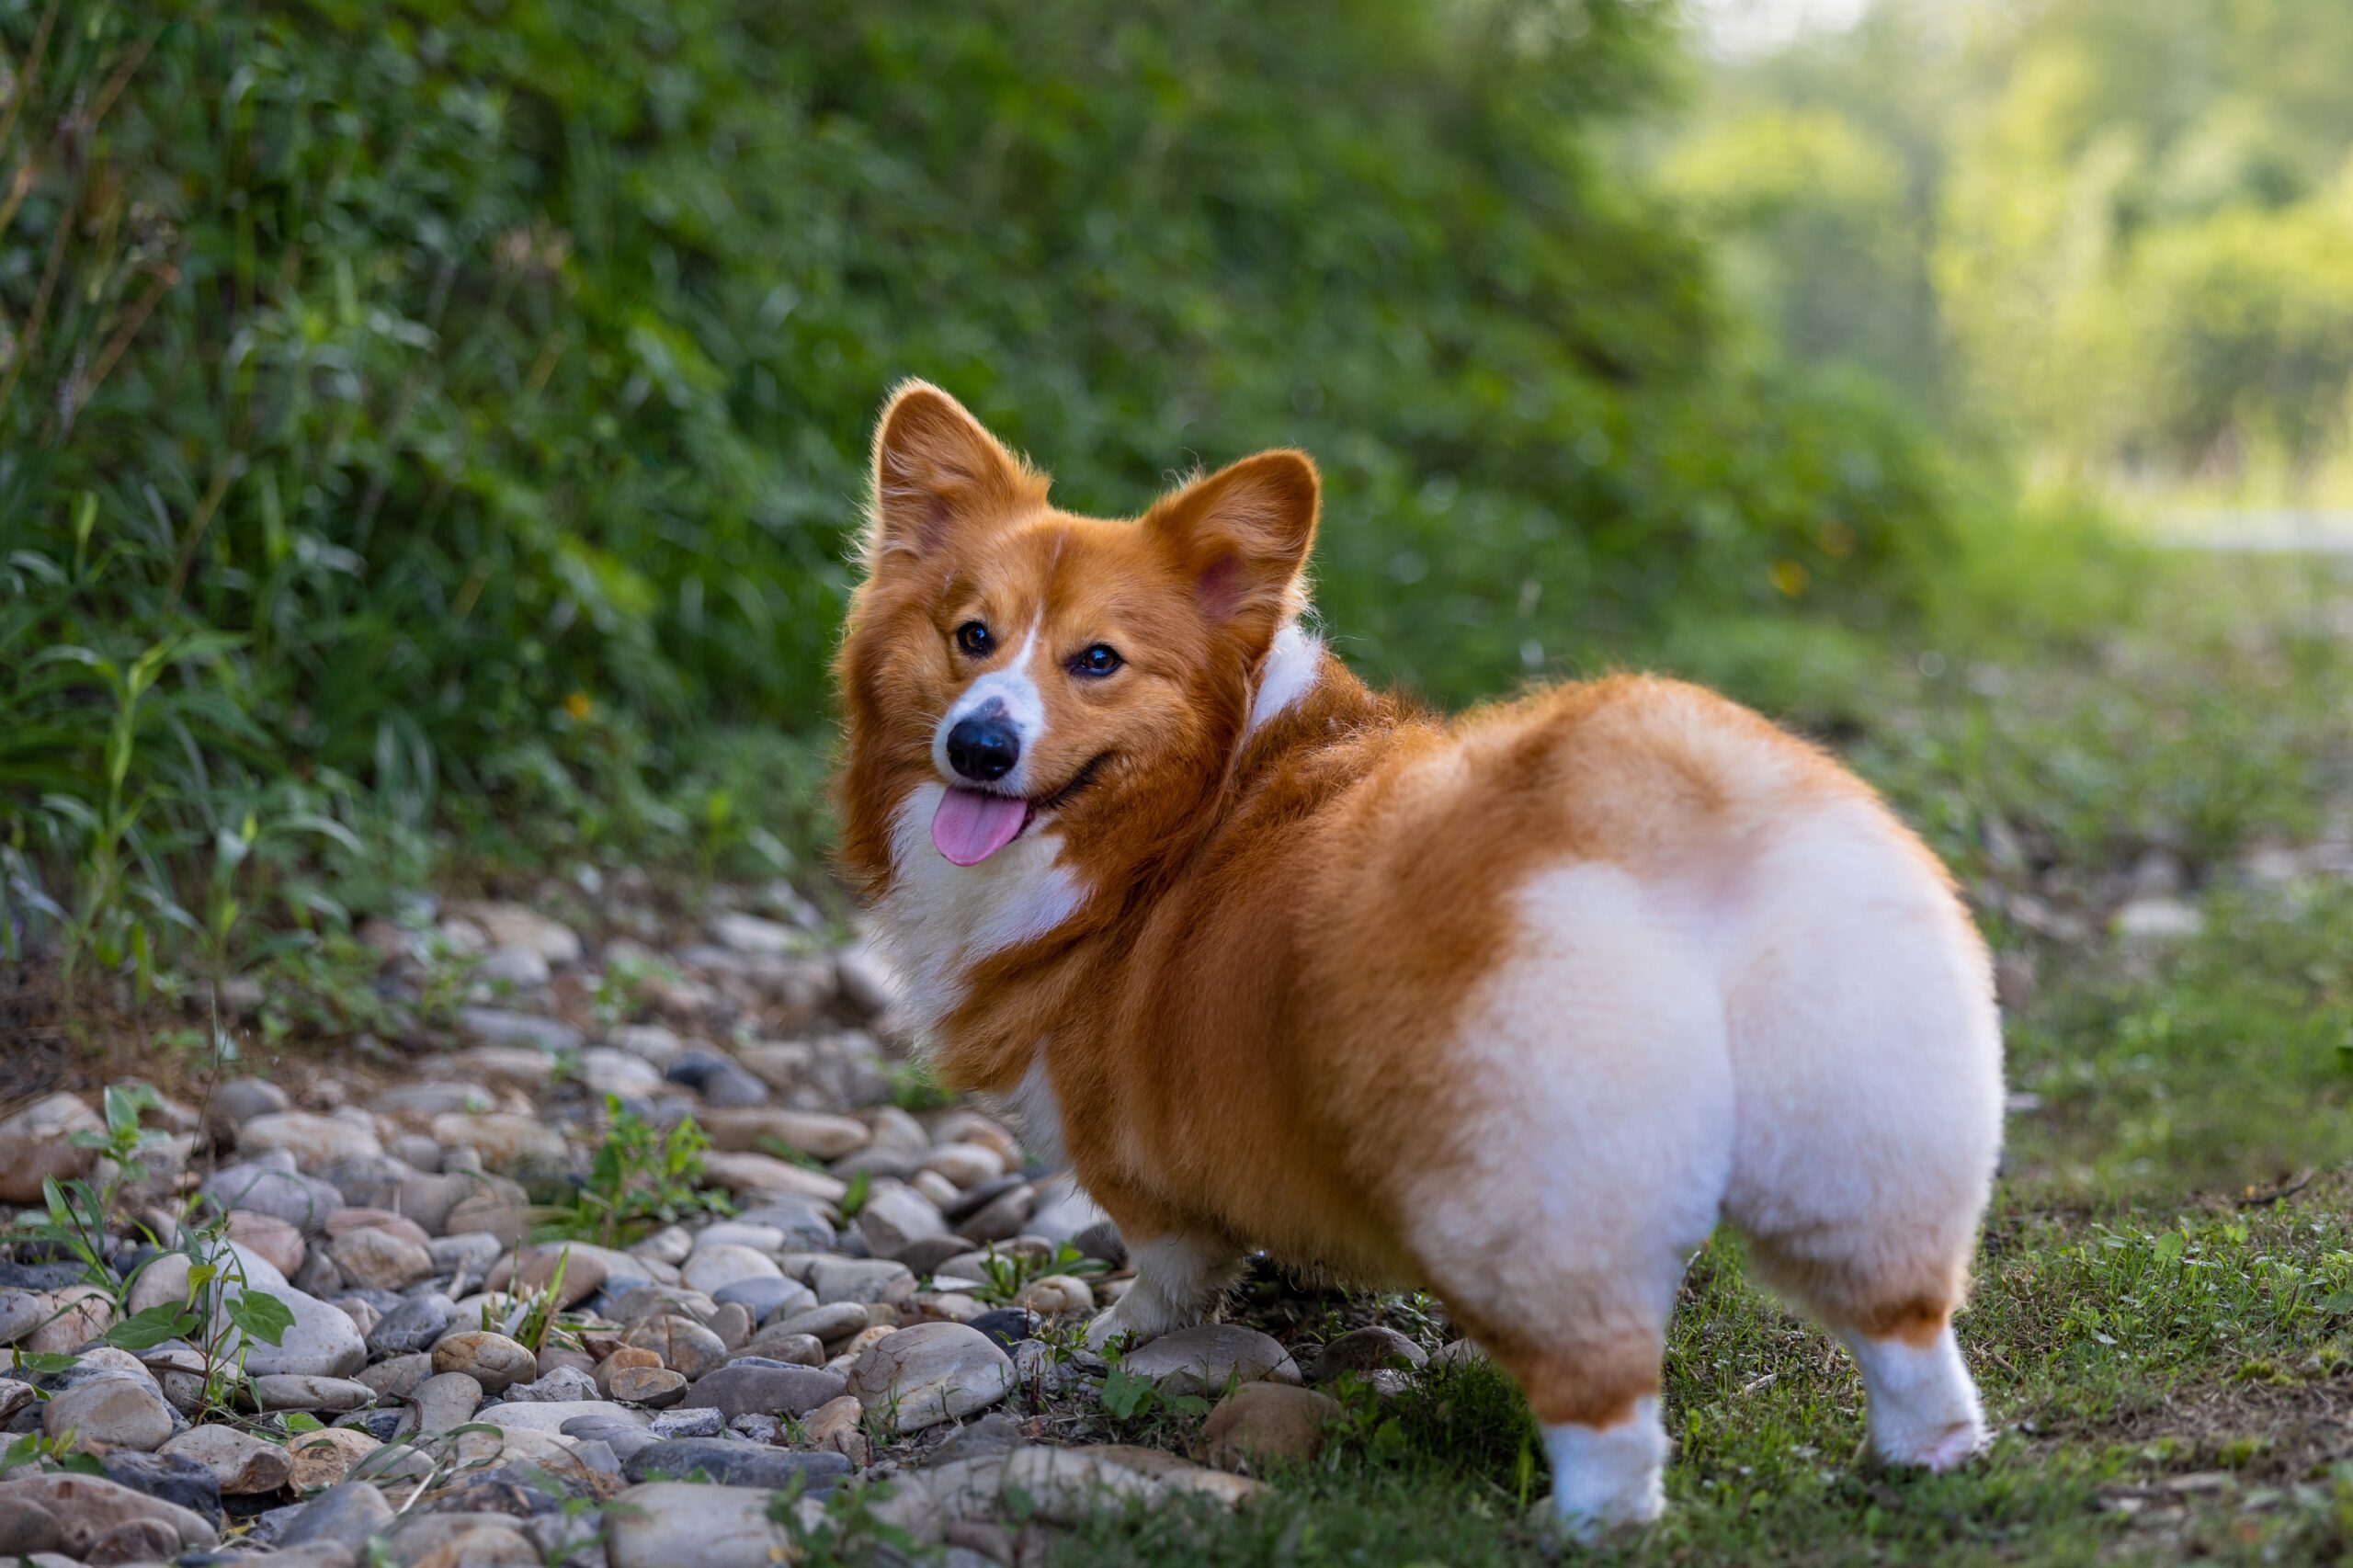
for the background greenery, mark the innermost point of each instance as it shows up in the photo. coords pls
(460, 408)
(2113, 235)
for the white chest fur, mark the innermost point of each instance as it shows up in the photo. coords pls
(939, 919)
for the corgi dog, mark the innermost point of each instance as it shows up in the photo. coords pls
(1517, 1006)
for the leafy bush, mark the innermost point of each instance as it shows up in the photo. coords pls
(458, 414)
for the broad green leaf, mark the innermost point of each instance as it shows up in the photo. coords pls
(144, 1331)
(261, 1315)
(1125, 1393)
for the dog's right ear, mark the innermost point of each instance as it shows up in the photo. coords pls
(936, 469)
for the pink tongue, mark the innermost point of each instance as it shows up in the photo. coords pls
(969, 826)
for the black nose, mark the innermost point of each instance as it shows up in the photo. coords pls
(983, 747)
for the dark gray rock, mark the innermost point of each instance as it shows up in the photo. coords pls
(763, 1298)
(802, 1220)
(1361, 1351)
(624, 1437)
(971, 1203)
(1009, 1326)
(170, 1477)
(731, 1462)
(732, 1086)
(739, 1389)
(381, 1424)
(348, 1512)
(413, 1325)
(278, 1190)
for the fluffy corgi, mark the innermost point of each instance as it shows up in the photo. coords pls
(1517, 1006)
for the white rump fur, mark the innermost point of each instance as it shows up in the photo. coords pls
(1806, 1047)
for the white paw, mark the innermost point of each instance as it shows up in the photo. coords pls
(1107, 1327)
(1587, 1525)
(1936, 1449)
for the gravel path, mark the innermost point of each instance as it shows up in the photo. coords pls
(639, 1258)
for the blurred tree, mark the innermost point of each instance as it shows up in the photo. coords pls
(2126, 218)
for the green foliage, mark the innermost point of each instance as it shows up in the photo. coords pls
(1005, 1274)
(853, 1198)
(38, 1451)
(456, 419)
(641, 1179)
(2110, 233)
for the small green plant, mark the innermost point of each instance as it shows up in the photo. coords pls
(641, 1178)
(853, 1198)
(914, 1089)
(619, 990)
(1140, 1401)
(39, 1451)
(1004, 1275)
(528, 1317)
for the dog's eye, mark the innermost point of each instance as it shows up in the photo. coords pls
(973, 638)
(1099, 659)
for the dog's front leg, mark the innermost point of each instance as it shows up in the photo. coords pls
(1178, 1279)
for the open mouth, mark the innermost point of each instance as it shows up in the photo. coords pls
(970, 825)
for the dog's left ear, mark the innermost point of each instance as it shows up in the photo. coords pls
(1242, 536)
(936, 467)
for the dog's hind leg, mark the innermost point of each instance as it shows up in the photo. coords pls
(1587, 1141)
(1868, 1055)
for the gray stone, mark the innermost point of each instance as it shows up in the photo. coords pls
(69, 1514)
(802, 1222)
(240, 1100)
(1362, 1351)
(857, 1279)
(397, 1377)
(932, 1372)
(273, 1188)
(785, 1348)
(445, 1400)
(705, 1423)
(669, 1524)
(119, 1412)
(323, 1342)
(495, 1026)
(1203, 1359)
(241, 1465)
(834, 1322)
(683, 1345)
(472, 1251)
(413, 1325)
(187, 1483)
(896, 1217)
(714, 1267)
(346, 1512)
(623, 1436)
(729, 1462)
(380, 1259)
(558, 1385)
(20, 1314)
(739, 1388)
(766, 1299)
(283, 1390)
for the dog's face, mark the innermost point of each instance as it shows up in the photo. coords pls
(1046, 668)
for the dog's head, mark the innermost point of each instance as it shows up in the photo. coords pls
(1049, 669)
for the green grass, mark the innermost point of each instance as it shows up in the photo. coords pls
(2162, 1331)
